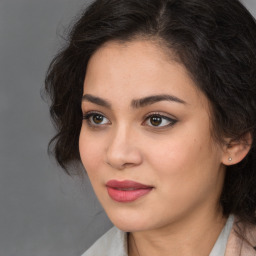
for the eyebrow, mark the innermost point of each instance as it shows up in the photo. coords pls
(136, 103)
(96, 100)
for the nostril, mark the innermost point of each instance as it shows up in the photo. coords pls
(122, 161)
(119, 166)
(122, 153)
(127, 165)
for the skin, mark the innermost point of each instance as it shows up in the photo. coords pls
(179, 159)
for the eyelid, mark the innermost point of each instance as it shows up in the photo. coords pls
(162, 114)
(165, 116)
(172, 120)
(87, 115)
(92, 112)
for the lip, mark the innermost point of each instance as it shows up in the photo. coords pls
(127, 190)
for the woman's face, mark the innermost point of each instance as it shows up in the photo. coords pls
(146, 122)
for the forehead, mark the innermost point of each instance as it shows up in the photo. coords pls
(137, 69)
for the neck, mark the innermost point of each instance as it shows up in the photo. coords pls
(195, 236)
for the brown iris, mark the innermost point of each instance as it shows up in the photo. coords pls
(97, 119)
(156, 120)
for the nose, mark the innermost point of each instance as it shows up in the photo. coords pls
(122, 151)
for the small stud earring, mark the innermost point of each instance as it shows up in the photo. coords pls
(230, 159)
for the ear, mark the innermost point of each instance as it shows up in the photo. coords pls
(235, 150)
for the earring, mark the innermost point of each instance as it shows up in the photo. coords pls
(230, 159)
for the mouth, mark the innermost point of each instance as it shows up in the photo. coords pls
(127, 190)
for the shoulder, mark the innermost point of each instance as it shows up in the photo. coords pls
(242, 240)
(112, 243)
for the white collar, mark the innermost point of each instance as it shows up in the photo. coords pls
(114, 242)
(220, 246)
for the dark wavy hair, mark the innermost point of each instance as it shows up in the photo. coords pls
(214, 39)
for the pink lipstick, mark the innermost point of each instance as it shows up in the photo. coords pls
(127, 190)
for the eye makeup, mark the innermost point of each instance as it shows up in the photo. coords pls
(156, 120)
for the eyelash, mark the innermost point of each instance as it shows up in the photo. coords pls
(87, 116)
(171, 121)
(90, 114)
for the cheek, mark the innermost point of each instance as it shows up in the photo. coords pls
(172, 155)
(90, 152)
(184, 161)
(183, 178)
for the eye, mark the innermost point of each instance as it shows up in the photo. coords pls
(95, 119)
(157, 120)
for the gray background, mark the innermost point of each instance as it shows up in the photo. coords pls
(43, 212)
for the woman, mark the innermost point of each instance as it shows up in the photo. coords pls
(157, 99)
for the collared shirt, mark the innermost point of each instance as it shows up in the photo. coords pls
(220, 246)
(114, 242)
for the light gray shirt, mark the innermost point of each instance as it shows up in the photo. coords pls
(114, 242)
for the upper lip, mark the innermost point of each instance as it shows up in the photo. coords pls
(126, 184)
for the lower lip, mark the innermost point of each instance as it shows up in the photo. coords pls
(125, 196)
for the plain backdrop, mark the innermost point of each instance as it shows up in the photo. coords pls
(43, 212)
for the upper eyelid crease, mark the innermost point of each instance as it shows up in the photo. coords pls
(160, 113)
(136, 103)
(91, 113)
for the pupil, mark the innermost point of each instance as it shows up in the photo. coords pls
(156, 120)
(97, 119)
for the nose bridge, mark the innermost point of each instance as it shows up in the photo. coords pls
(122, 150)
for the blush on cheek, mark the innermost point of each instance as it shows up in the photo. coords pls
(90, 157)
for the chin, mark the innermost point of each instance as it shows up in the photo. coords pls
(130, 227)
(129, 222)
